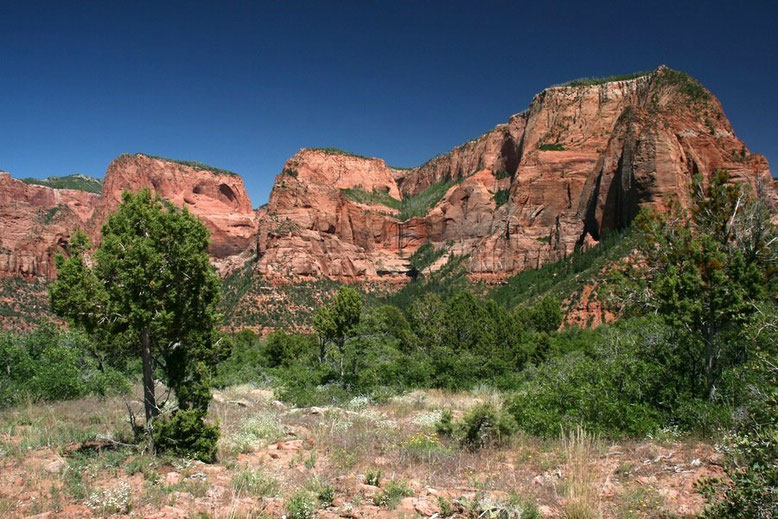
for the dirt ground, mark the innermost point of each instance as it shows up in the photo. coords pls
(71, 459)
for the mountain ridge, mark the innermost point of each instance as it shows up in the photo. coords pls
(576, 164)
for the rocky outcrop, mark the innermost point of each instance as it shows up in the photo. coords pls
(37, 222)
(577, 164)
(310, 228)
(217, 197)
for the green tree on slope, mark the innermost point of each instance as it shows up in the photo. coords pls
(703, 271)
(337, 321)
(151, 292)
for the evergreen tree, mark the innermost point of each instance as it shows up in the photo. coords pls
(151, 292)
(337, 321)
(703, 270)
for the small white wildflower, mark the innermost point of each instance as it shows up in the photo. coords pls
(111, 500)
(428, 420)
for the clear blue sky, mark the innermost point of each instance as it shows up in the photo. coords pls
(244, 85)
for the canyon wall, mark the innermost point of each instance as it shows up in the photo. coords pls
(38, 221)
(577, 164)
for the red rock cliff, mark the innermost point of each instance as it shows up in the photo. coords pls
(218, 198)
(578, 163)
(36, 221)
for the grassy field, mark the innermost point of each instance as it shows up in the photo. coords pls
(366, 459)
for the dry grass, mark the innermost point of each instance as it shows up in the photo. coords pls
(581, 478)
(331, 451)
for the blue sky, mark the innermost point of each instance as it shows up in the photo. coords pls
(244, 85)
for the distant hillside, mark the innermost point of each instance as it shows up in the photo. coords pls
(79, 182)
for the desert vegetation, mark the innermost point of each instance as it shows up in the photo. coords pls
(411, 206)
(442, 398)
(194, 165)
(551, 147)
(79, 182)
(589, 81)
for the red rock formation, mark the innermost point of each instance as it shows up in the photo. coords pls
(36, 221)
(578, 163)
(310, 228)
(218, 198)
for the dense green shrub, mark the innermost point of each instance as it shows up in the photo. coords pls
(551, 147)
(247, 361)
(501, 197)
(484, 426)
(545, 316)
(187, 434)
(420, 203)
(374, 197)
(445, 426)
(752, 451)
(425, 256)
(49, 364)
(301, 506)
(624, 379)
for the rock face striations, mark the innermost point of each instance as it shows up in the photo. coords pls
(216, 196)
(38, 221)
(578, 163)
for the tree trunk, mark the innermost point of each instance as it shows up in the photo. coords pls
(342, 348)
(149, 398)
(710, 359)
(709, 368)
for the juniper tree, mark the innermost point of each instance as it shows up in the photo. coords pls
(151, 292)
(703, 270)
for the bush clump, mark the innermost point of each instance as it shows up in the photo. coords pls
(187, 434)
(484, 426)
(301, 506)
(49, 364)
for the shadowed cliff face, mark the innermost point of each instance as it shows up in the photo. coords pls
(577, 164)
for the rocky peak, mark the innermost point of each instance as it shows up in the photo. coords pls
(218, 197)
(579, 162)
